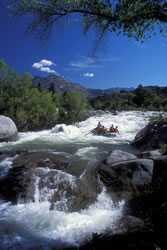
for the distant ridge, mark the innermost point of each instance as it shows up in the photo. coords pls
(61, 85)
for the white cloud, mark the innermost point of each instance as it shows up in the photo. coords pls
(46, 62)
(85, 62)
(47, 69)
(37, 65)
(89, 74)
(44, 65)
(89, 62)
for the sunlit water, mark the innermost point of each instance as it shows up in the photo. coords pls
(34, 225)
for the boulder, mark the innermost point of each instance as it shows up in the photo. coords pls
(8, 129)
(119, 156)
(160, 137)
(149, 154)
(125, 175)
(150, 137)
(152, 206)
(143, 136)
(129, 233)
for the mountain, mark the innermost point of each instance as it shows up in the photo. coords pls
(61, 85)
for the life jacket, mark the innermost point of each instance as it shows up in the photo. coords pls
(112, 129)
(116, 130)
(102, 130)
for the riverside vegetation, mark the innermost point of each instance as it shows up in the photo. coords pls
(34, 109)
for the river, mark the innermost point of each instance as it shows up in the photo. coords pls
(33, 225)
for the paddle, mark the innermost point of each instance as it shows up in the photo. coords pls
(88, 133)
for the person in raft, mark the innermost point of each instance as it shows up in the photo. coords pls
(101, 129)
(115, 130)
(112, 128)
(99, 125)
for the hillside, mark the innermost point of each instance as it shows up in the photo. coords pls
(61, 85)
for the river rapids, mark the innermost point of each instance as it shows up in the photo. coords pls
(33, 225)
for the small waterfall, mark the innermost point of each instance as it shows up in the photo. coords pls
(5, 165)
(55, 187)
(37, 192)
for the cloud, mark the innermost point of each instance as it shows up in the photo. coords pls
(89, 62)
(44, 65)
(85, 62)
(47, 69)
(89, 74)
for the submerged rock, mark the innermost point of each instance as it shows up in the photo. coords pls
(8, 129)
(34, 178)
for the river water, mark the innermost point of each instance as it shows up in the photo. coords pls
(33, 225)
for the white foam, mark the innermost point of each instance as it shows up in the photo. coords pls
(36, 221)
(5, 165)
(129, 123)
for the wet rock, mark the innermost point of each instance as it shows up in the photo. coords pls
(129, 233)
(152, 206)
(119, 156)
(8, 129)
(61, 129)
(37, 179)
(20, 183)
(149, 154)
(151, 136)
(125, 175)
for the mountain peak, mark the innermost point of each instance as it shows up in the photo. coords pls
(61, 85)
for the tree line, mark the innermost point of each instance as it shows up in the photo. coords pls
(33, 109)
(152, 98)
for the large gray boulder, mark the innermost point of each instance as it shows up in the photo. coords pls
(8, 129)
(150, 137)
(125, 175)
(119, 156)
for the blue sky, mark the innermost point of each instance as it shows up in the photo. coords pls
(68, 53)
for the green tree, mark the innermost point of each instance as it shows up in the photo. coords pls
(157, 102)
(139, 19)
(115, 102)
(27, 106)
(73, 103)
(39, 109)
(52, 88)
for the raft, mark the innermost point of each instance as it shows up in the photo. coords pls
(106, 134)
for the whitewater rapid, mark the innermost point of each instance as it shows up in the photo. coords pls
(33, 225)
